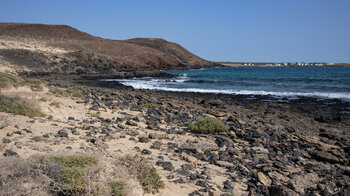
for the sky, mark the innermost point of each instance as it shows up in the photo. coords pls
(216, 30)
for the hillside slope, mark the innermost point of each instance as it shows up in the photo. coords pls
(63, 49)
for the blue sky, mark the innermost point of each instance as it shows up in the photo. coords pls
(221, 30)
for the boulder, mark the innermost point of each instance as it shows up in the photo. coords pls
(281, 191)
(300, 183)
(10, 153)
(325, 156)
(264, 179)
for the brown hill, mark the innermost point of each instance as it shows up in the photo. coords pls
(63, 49)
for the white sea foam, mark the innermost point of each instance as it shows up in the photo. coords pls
(160, 84)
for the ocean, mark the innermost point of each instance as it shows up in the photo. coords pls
(290, 82)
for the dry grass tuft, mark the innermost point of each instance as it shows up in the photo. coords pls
(7, 80)
(23, 177)
(66, 175)
(146, 174)
(76, 91)
(18, 107)
(55, 104)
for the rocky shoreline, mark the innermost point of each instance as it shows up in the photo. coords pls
(299, 147)
(295, 147)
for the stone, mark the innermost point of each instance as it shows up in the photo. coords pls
(166, 165)
(156, 136)
(62, 133)
(278, 164)
(281, 191)
(131, 123)
(259, 150)
(264, 179)
(6, 140)
(195, 193)
(193, 177)
(301, 182)
(144, 139)
(27, 131)
(278, 178)
(156, 145)
(227, 185)
(10, 153)
(201, 183)
(199, 147)
(71, 118)
(75, 132)
(325, 156)
(180, 180)
(94, 107)
(146, 152)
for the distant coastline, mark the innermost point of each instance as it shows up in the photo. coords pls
(274, 64)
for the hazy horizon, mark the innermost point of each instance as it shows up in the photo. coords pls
(239, 31)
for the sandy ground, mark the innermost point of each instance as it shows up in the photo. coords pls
(28, 44)
(29, 144)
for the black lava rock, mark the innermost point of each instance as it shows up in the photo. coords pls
(10, 153)
(166, 165)
(62, 133)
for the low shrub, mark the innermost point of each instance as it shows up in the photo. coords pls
(33, 83)
(146, 174)
(55, 104)
(76, 91)
(94, 115)
(118, 188)
(18, 107)
(43, 99)
(15, 172)
(7, 80)
(150, 105)
(72, 176)
(208, 125)
(67, 175)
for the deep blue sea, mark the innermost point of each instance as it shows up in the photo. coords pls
(321, 82)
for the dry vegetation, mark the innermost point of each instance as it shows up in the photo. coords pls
(146, 174)
(75, 175)
(18, 107)
(8, 80)
(76, 91)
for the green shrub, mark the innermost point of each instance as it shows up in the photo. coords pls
(17, 107)
(80, 88)
(55, 104)
(43, 99)
(72, 177)
(146, 174)
(76, 91)
(7, 79)
(96, 115)
(150, 105)
(58, 91)
(33, 83)
(208, 125)
(118, 188)
(75, 161)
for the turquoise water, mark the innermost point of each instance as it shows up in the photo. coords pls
(323, 82)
